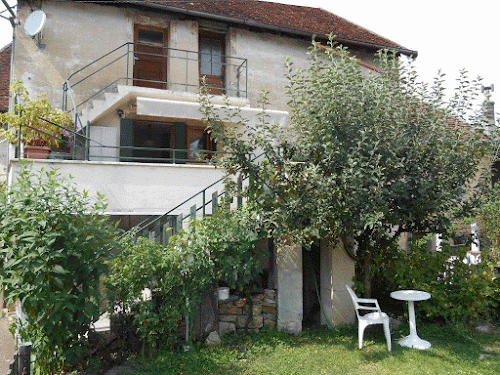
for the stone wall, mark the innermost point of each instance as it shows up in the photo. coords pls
(235, 312)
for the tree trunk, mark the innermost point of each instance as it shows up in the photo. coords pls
(367, 281)
(364, 270)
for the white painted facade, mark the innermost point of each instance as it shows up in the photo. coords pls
(135, 188)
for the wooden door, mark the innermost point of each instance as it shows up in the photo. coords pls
(150, 57)
(212, 61)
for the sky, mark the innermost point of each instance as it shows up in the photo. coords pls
(448, 34)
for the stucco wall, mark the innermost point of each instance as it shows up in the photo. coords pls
(267, 54)
(130, 188)
(77, 33)
(74, 35)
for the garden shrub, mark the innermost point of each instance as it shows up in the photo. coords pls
(489, 215)
(230, 237)
(460, 292)
(53, 242)
(164, 270)
(213, 248)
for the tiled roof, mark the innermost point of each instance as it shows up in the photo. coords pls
(5, 77)
(288, 18)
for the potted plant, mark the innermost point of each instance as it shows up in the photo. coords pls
(39, 126)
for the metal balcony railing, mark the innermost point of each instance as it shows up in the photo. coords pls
(76, 146)
(116, 67)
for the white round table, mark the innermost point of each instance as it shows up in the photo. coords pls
(412, 340)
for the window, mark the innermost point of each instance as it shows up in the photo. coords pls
(198, 142)
(163, 142)
(211, 57)
(153, 141)
(148, 36)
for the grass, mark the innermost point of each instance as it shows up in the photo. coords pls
(326, 352)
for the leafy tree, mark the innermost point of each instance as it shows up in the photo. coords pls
(367, 155)
(230, 238)
(53, 242)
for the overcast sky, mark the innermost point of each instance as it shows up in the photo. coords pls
(448, 34)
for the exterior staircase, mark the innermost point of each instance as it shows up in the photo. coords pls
(204, 203)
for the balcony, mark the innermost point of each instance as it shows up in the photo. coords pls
(151, 70)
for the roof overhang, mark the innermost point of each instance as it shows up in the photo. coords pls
(263, 26)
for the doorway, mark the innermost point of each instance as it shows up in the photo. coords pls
(311, 269)
(150, 57)
(153, 141)
(212, 63)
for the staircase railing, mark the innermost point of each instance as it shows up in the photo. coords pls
(162, 227)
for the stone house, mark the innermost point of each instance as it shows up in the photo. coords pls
(129, 72)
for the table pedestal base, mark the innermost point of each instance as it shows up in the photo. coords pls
(413, 341)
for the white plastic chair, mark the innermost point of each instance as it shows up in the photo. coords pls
(375, 317)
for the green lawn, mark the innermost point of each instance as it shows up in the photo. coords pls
(334, 352)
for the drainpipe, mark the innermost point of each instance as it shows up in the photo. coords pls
(14, 21)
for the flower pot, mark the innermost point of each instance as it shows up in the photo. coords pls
(36, 152)
(223, 293)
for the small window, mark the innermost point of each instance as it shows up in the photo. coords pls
(150, 36)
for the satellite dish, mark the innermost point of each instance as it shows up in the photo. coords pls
(35, 22)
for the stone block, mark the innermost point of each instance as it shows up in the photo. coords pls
(226, 327)
(268, 309)
(257, 310)
(269, 323)
(241, 302)
(229, 309)
(228, 318)
(259, 298)
(269, 317)
(257, 322)
(213, 339)
(241, 321)
(270, 295)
